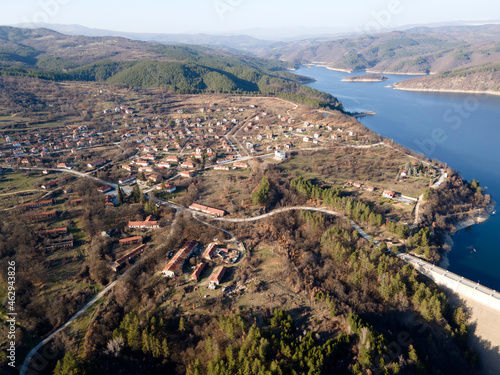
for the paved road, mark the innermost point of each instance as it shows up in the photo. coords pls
(427, 269)
(260, 217)
(33, 351)
(179, 209)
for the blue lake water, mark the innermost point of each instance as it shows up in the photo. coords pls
(461, 130)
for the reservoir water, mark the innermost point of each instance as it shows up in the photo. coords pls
(462, 130)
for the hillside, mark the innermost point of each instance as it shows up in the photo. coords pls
(418, 50)
(477, 79)
(46, 54)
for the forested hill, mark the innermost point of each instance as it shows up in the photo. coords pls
(417, 50)
(46, 54)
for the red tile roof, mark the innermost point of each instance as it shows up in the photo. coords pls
(218, 275)
(197, 272)
(130, 239)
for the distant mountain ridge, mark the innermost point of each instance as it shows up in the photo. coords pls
(232, 42)
(47, 54)
(417, 50)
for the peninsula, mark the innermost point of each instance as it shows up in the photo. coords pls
(366, 78)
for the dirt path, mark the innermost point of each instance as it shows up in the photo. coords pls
(19, 192)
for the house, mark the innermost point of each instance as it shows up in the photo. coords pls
(187, 165)
(369, 188)
(207, 210)
(240, 164)
(164, 165)
(221, 168)
(187, 174)
(197, 272)
(126, 180)
(127, 167)
(104, 189)
(217, 276)
(210, 251)
(120, 262)
(174, 267)
(130, 240)
(109, 201)
(62, 165)
(357, 184)
(404, 174)
(306, 139)
(142, 163)
(149, 223)
(153, 177)
(389, 194)
(173, 159)
(279, 155)
(97, 163)
(169, 188)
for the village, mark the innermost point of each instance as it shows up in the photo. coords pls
(162, 156)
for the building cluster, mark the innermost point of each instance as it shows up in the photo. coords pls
(214, 250)
(32, 148)
(359, 185)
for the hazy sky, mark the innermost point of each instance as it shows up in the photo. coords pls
(231, 16)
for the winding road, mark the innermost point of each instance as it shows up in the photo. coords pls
(101, 294)
(179, 209)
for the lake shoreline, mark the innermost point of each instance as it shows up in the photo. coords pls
(449, 243)
(394, 108)
(453, 91)
(323, 65)
(397, 74)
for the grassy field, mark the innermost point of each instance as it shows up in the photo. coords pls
(378, 167)
(223, 189)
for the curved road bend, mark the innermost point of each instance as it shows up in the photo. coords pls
(179, 208)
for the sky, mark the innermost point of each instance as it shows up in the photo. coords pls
(247, 16)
